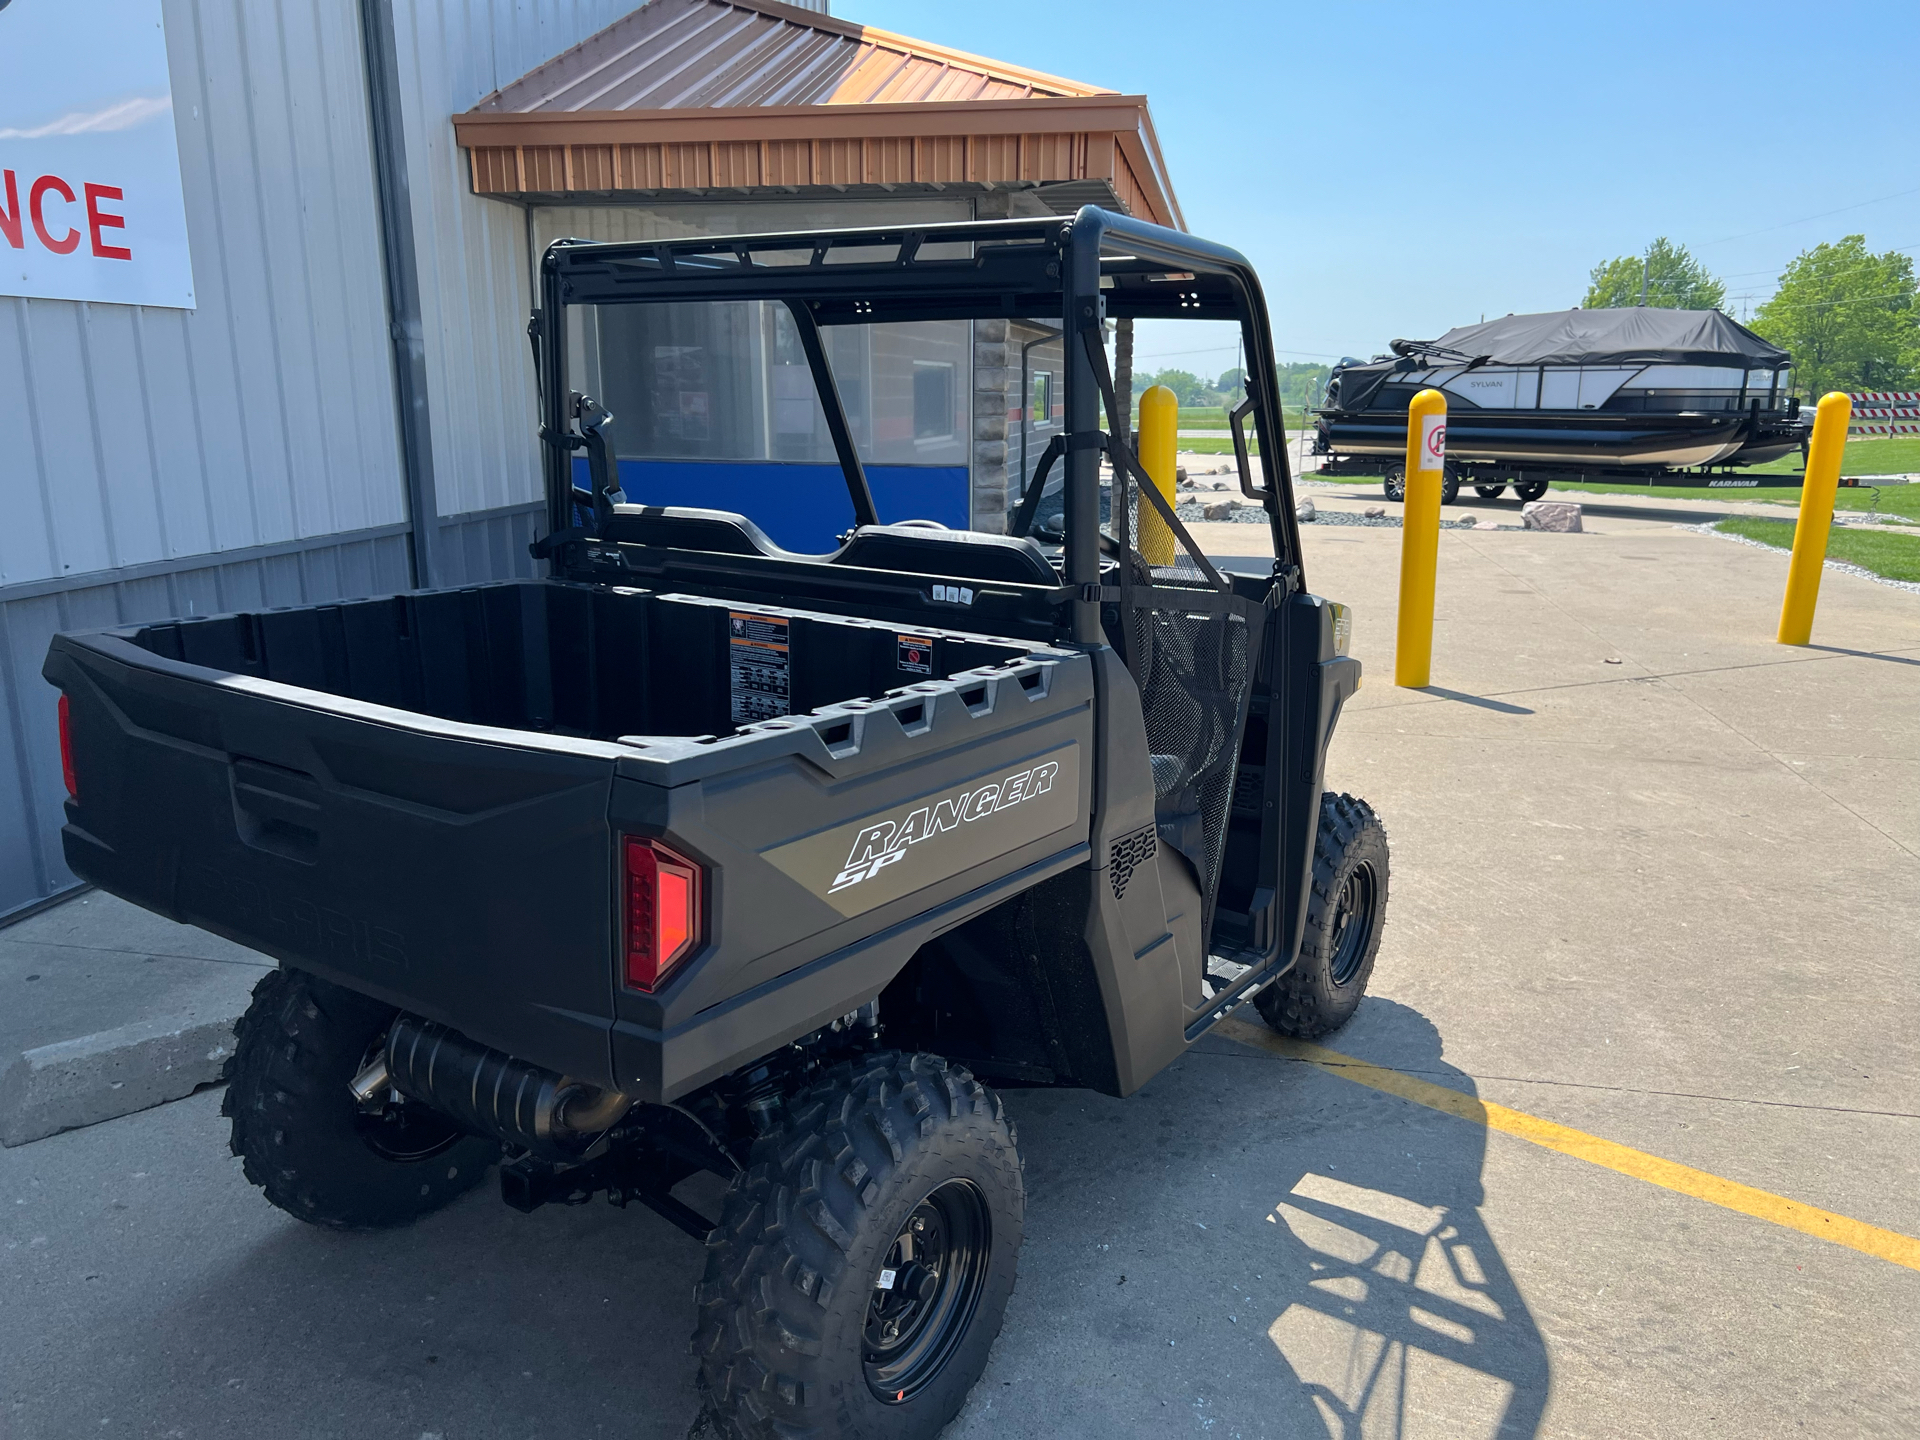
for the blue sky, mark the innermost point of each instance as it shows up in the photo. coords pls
(1396, 169)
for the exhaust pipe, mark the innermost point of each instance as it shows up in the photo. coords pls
(491, 1093)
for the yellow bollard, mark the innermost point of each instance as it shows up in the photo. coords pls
(1420, 538)
(1156, 444)
(1816, 518)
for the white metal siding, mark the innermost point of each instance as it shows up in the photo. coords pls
(476, 282)
(130, 435)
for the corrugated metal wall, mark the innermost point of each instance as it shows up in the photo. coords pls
(476, 279)
(161, 462)
(135, 434)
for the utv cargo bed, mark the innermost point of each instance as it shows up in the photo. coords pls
(451, 774)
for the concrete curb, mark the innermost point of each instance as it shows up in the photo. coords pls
(110, 1073)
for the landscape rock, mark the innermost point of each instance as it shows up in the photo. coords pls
(1467, 518)
(1220, 511)
(1374, 512)
(1304, 510)
(1559, 516)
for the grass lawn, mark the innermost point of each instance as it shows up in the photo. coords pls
(1891, 455)
(1214, 417)
(1209, 446)
(1864, 455)
(1897, 557)
(1900, 500)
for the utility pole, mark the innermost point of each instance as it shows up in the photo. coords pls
(1643, 279)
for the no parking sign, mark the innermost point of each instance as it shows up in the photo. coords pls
(1433, 441)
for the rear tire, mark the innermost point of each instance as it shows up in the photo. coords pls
(1395, 481)
(1449, 483)
(1346, 912)
(302, 1137)
(1489, 492)
(793, 1336)
(1530, 489)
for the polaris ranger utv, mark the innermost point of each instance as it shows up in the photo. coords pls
(704, 854)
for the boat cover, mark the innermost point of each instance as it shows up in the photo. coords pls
(1637, 335)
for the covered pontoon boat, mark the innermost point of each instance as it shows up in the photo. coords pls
(1627, 394)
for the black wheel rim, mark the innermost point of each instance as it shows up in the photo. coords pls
(399, 1129)
(927, 1290)
(1353, 922)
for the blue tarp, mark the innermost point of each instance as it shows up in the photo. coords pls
(801, 506)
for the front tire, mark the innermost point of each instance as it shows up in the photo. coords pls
(1530, 489)
(302, 1137)
(1395, 481)
(1346, 912)
(1489, 492)
(863, 1261)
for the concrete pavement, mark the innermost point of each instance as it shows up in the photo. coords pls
(1672, 901)
(108, 1009)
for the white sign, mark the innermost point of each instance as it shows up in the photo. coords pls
(90, 202)
(1433, 441)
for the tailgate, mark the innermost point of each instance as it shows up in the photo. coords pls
(459, 871)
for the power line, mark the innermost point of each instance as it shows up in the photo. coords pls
(1765, 229)
(1235, 348)
(1856, 300)
(1862, 265)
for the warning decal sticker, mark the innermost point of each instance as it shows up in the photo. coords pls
(916, 654)
(1433, 441)
(759, 668)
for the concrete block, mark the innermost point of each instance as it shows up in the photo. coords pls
(106, 1009)
(1560, 516)
(111, 1073)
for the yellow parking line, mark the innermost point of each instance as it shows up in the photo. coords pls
(1762, 1205)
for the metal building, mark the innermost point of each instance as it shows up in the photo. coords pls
(367, 190)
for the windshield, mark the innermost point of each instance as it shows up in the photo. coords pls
(715, 407)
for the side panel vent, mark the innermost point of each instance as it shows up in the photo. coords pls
(1130, 852)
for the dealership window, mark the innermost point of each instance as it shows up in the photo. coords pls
(729, 381)
(1040, 402)
(933, 400)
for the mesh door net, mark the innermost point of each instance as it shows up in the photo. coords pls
(1189, 642)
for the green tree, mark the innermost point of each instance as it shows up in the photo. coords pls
(1674, 280)
(1188, 388)
(1848, 317)
(1302, 383)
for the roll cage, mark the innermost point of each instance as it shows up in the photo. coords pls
(1076, 274)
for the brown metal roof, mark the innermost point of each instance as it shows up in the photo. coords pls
(753, 96)
(700, 54)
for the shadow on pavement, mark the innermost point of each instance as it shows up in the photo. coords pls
(1401, 1303)
(475, 1322)
(1480, 700)
(1252, 1247)
(1247, 1247)
(1864, 654)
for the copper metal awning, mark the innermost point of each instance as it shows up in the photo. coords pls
(714, 97)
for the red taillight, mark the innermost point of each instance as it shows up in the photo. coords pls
(66, 749)
(662, 911)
